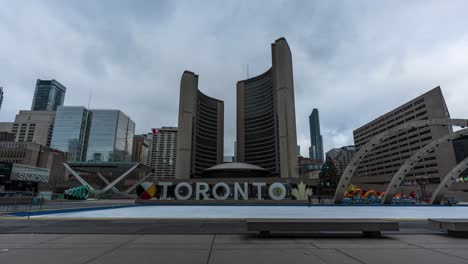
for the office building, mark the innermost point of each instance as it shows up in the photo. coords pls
(1, 97)
(110, 136)
(7, 136)
(341, 157)
(34, 126)
(200, 129)
(5, 131)
(71, 129)
(309, 168)
(316, 141)
(266, 119)
(228, 159)
(48, 95)
(6, 126)
(163, 151)
(379, 166)
(140, 149)
(36, 156)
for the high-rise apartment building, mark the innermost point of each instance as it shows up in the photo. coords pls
(71, 129)
(200, 129)
(48, 95)
(266, 119)
(110, 136)
(386, 158)
(341, 157)
(316, 141)
(34, 126)
(163, 151)
(1, 97)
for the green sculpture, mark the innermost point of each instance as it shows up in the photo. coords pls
(77, 193)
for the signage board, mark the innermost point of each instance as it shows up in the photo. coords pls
(155, 131)
(20, 172)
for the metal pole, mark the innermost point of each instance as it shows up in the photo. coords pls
(30, 205)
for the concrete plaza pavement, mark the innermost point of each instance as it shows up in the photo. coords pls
(224, 249)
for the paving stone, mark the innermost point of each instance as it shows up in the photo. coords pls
(270, 246)
(252, 239)
(93, 239)
(429, 239)
(154, 255)
(27, 238)
(50, 256)
(462, 253)
(358, 243)
(279, 256)
(410, 255)
(203, 240)
(55, 246)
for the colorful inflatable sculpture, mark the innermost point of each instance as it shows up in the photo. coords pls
(355, 195)
(400, 198)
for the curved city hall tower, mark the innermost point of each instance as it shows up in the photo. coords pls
(201, 129)
(266, 118)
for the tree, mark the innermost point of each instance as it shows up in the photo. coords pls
(329, 175)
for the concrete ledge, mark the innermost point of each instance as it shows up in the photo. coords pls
(220, 202)
(369, 227)
(454, 227)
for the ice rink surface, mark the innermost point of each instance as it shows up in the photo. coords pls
(241, 212)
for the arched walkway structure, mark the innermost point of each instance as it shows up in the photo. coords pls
(347, 175)
(439, 192)
(399, 176)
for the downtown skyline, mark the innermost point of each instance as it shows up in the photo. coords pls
(137, 69)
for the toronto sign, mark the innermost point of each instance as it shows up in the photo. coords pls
(222, 191)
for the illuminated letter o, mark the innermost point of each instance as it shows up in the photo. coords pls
(183, 197)
(226, 193)
(277, 191)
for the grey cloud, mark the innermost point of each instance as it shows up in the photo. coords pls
(354, 60)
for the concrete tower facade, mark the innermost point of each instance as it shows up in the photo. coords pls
(266, 117)
(200, 129)
(380, 164)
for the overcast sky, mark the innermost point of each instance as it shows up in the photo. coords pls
(353, 60)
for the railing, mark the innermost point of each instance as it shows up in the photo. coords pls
(14, 202)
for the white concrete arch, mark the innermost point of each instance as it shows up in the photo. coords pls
(345, 179)
(443, 186)
(399, 176)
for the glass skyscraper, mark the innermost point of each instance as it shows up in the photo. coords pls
(110, 136)
(93, 135)
(48, 95)
(316, 142)
(71, 130)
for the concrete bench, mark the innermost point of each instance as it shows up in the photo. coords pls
(454, 227)
(369, 227)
